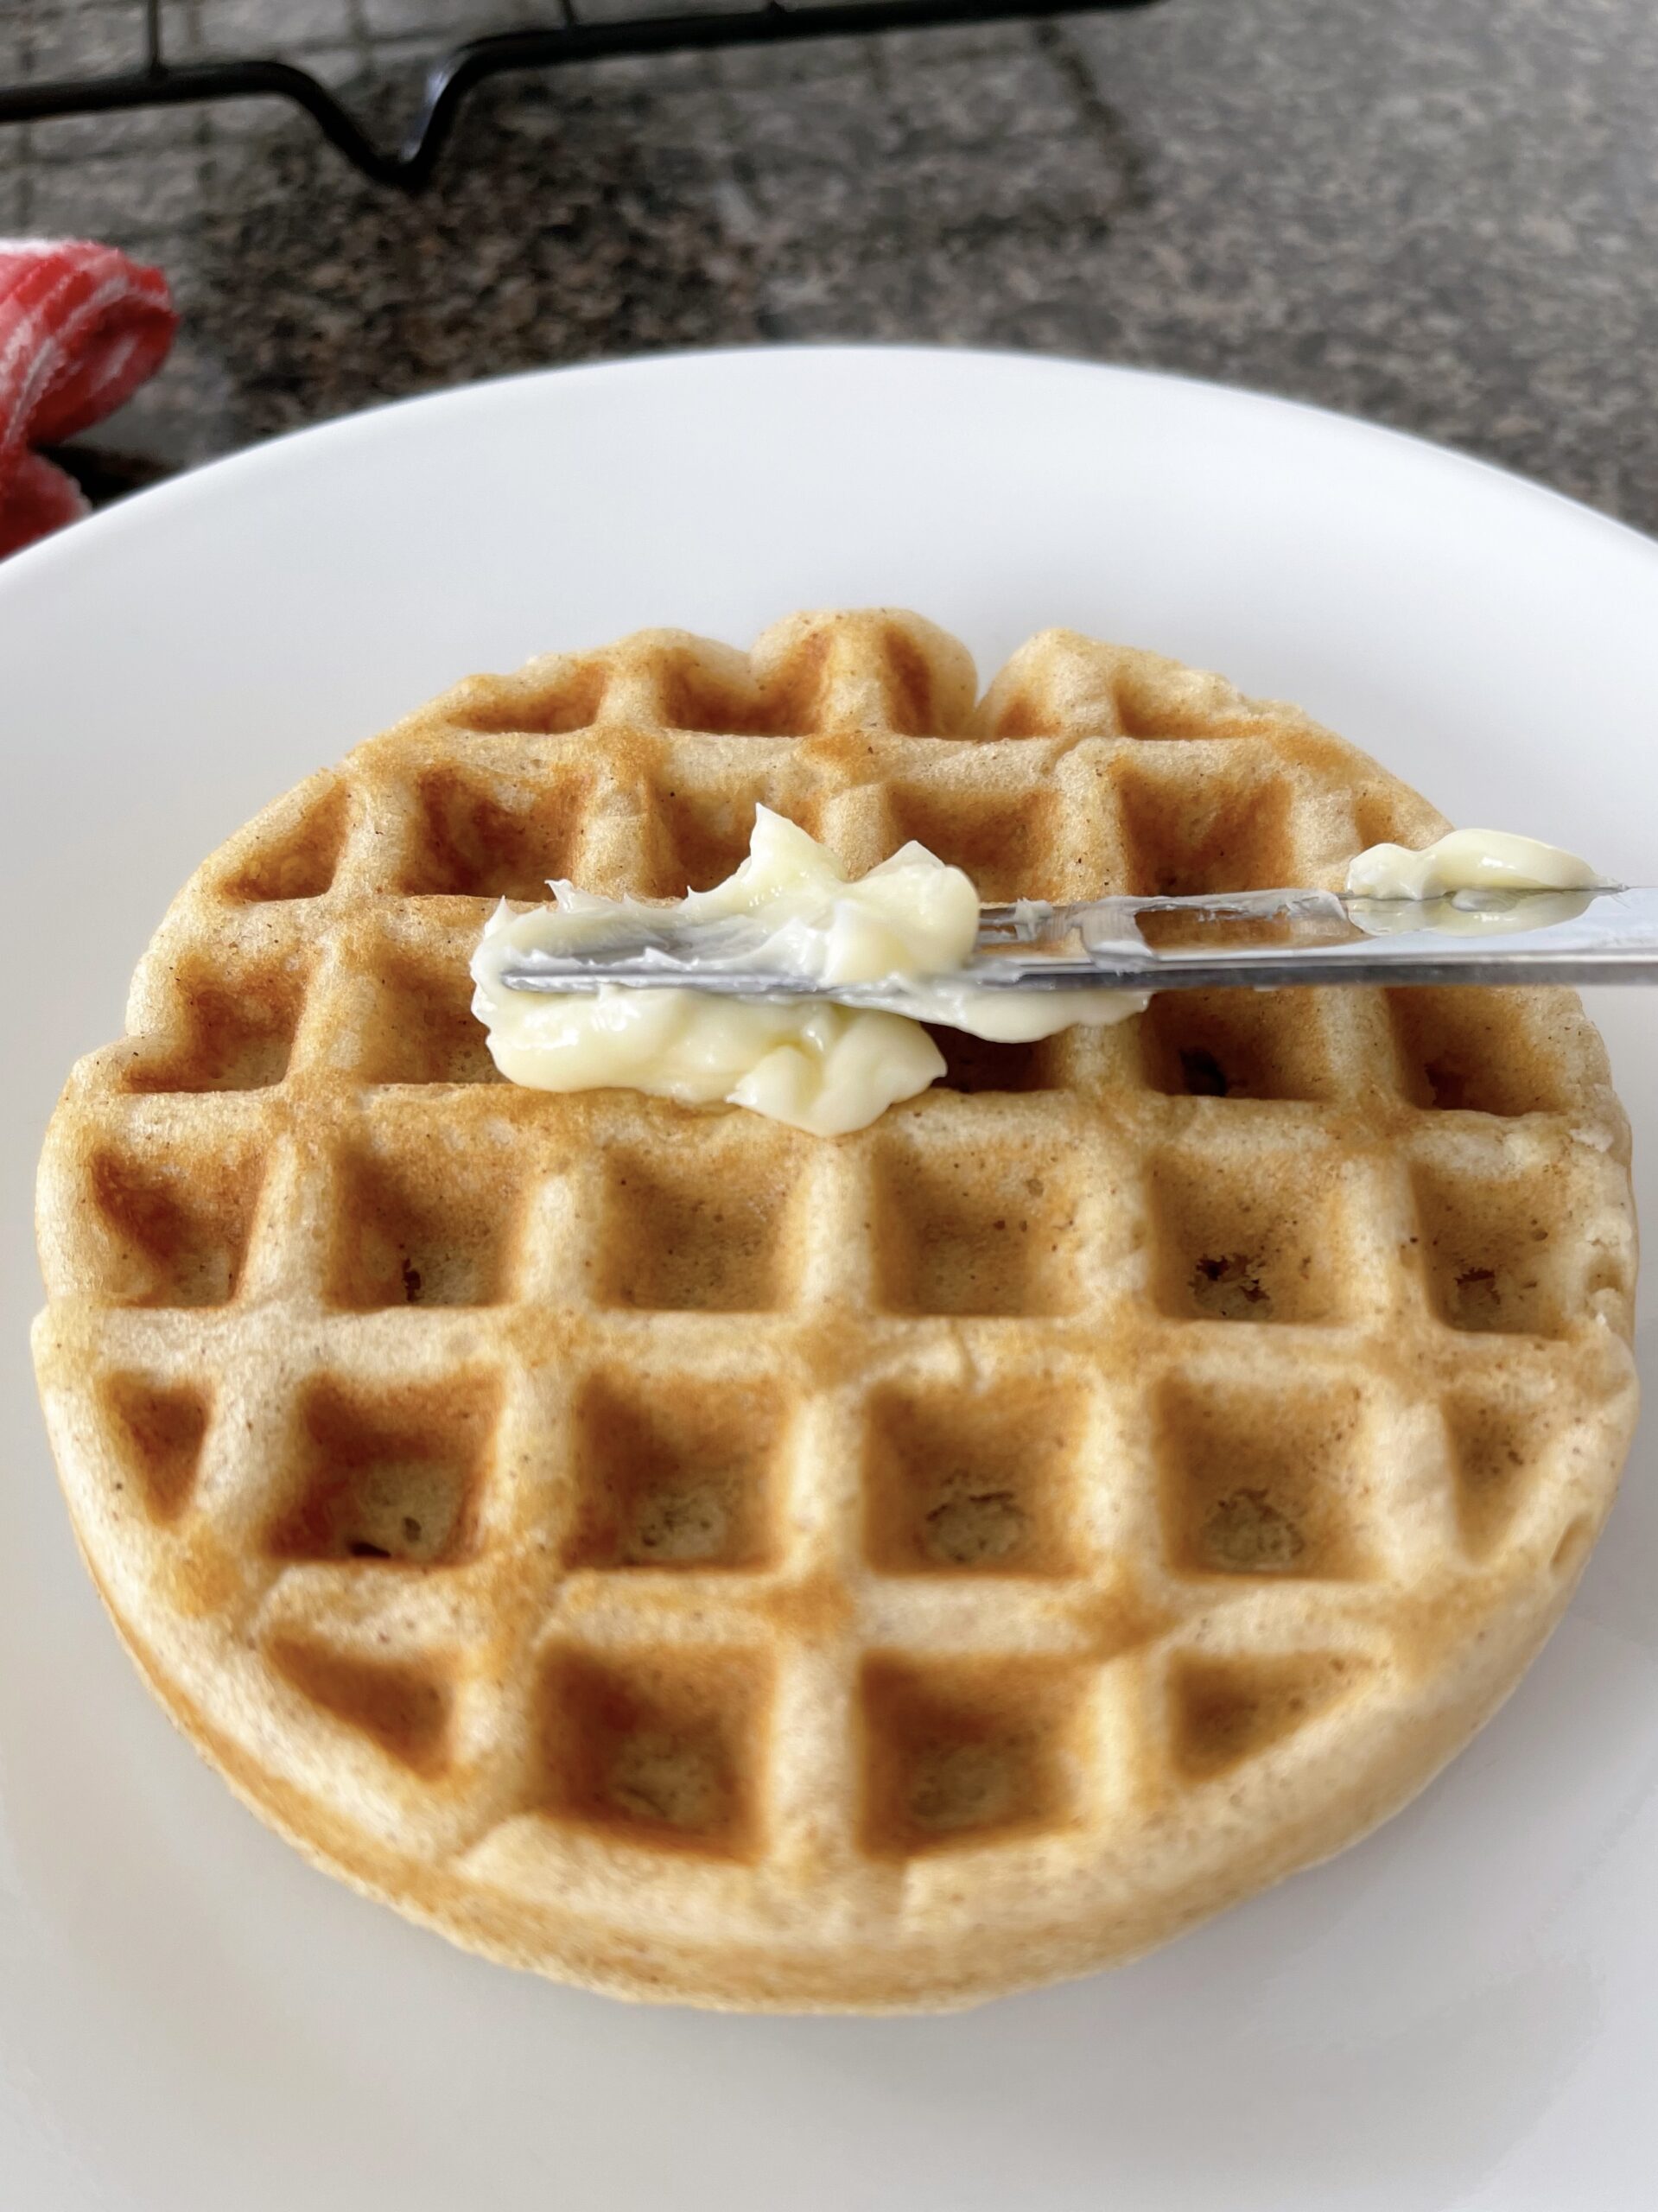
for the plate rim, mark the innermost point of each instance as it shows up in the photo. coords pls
(205, 480)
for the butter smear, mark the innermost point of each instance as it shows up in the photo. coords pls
(1467, 860)
(820, 1067)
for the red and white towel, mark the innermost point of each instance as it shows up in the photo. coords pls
(82, 327)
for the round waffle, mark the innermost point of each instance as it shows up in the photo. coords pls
(714, 1564)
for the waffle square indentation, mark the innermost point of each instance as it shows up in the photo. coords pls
(700, 836)
(1493, 1251)
(1473, 1052)
(1183, 838)
(1060, 684)
(661, 1748)
(715, 692)
(976, 1234)
(546, 701)
(1010, 846)
(238, 1026)
(173, 1231)
(297, 858)
(1226, 1711)
(421, 1224)
(159, 1428)
(1236, 1044)
(979, 1063)
(386, 1472)
(687, 1235)
(961, 1753)
(403, 1706)
(1262, 1245)
(422, 1028)
(676, 1471)
(1262, 1481)
(972, 1483)
(869, 672)
(478, 839)
(1496, 1445)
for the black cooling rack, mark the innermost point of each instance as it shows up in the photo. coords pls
(158, 82)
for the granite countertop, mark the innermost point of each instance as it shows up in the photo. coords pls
(1444, 217)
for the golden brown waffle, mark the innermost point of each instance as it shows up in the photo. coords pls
(708, 1563)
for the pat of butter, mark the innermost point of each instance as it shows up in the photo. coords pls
(820, 1067)
(1467, 860)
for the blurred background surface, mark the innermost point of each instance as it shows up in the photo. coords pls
(1439, 214)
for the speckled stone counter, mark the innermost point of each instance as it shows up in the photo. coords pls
(1441, 213)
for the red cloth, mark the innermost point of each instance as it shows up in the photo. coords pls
(82, 327)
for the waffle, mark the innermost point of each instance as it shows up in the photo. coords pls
(710, 1564)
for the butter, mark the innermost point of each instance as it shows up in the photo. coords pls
(820, 1067)
(1467, 860)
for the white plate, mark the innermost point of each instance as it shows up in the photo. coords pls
(1461, 2012)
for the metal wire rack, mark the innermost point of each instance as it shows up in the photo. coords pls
(157, 81)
